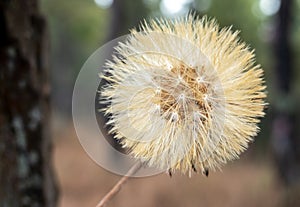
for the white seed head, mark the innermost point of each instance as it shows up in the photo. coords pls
(184, 94)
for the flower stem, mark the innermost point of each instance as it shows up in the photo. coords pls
(117, 187)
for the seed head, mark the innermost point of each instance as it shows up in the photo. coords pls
(184, 94)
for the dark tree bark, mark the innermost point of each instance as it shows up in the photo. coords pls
(283, 46)
(285, 140)
(26, 177)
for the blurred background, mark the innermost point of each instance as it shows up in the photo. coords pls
(268, 174)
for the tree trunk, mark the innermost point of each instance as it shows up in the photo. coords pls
(26, 176)
(284, 139)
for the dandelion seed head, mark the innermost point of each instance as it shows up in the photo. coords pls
(184, 95)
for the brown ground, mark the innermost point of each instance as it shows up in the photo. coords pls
(83, 183)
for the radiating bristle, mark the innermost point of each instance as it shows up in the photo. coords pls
(184, 91)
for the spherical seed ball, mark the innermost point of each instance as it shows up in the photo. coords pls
(184, 94)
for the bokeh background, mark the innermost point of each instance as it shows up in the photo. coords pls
(267, 174)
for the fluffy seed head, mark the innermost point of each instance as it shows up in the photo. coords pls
(184, 94)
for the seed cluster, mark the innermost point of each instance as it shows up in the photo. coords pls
(185, 98)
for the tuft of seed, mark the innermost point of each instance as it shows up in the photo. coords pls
(184, 94)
